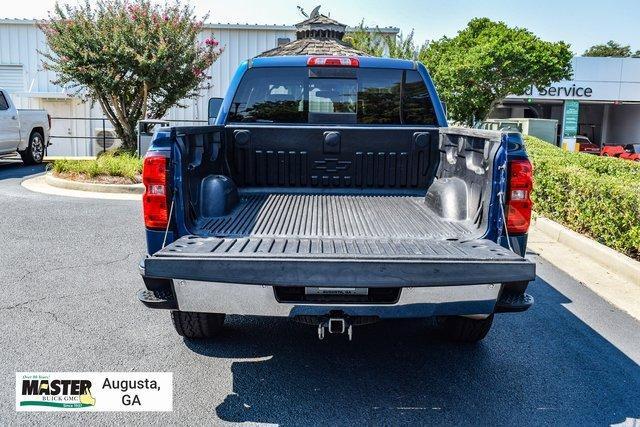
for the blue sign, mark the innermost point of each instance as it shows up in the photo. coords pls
(570, 119)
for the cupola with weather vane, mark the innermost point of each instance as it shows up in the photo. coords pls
(317, 35)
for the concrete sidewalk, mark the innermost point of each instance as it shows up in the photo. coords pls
(601, 277)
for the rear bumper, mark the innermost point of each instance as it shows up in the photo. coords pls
(260, 300)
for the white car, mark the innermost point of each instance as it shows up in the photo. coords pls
(23, 131)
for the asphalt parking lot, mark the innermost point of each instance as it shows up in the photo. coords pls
(69, 280)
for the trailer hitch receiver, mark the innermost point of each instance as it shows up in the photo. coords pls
(335, 325)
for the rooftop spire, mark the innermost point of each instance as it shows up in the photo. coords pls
(319, 26)
(317, 35)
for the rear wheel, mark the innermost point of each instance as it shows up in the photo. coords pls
(34, 153)
(197, 325)
(515, 287)
(464, 329)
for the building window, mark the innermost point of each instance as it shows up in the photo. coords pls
(11, 78)
(283, 40)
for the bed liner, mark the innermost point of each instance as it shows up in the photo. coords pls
(340, 216)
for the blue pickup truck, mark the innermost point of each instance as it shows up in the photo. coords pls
(330, 190)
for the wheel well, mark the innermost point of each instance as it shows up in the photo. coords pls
(36, 129)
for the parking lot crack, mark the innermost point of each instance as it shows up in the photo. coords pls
(53, 315)
(73, 267)
(23, 303)
(52, 298)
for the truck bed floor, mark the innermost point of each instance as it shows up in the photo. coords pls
(333, 216)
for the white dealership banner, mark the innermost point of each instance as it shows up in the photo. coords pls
(94, 391)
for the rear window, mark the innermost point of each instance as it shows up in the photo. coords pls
(332, 96)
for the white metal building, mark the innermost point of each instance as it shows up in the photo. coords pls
(22, 74)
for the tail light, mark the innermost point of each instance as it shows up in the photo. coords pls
(49, 120)
(155, 200)
(519, 196)
(333, 61)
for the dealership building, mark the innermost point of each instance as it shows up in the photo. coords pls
(604, 94)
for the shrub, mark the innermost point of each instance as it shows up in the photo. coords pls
(593, 195)
(120, 165)
(135, 58)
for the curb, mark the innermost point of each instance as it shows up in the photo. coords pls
(52, 158)
(609, 258)
(68, 184)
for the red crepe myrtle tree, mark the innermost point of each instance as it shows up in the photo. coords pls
(135, 58)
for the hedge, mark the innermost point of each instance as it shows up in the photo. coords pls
(596, 196)
(109, 164)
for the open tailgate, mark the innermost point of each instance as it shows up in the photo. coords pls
(369, 262)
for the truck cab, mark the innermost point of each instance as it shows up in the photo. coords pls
(331, 190)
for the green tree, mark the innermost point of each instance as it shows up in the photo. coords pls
(376, 43)
(135, 58)
(403, 47)
(609, 49)
(366, 40)
(486, 61)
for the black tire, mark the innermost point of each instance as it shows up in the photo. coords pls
(197, 325)
(34, 154)
(515, 287)
(464, 329)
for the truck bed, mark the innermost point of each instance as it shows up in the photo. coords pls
(324, 216)
(337, 240)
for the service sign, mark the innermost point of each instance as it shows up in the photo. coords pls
(578, 90)
(94, 391)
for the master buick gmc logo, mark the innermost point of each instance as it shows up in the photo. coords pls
(57, 393)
